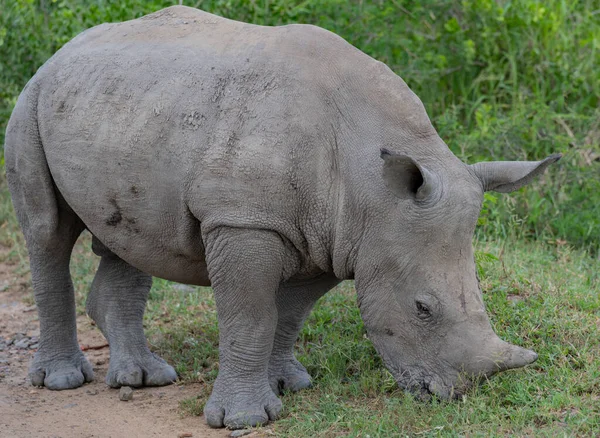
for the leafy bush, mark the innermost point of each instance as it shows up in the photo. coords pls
(500, 80)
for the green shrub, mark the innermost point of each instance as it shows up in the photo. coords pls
(500, 80)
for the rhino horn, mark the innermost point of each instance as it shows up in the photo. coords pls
(500, 356)
(516, 357)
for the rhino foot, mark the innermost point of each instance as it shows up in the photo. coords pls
(147, 369)
(60, 372)
(287, 374)
(240, 409)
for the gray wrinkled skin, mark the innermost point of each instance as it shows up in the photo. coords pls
(270, 163)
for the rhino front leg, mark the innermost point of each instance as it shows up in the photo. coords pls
(117, 302)
(246, 268)
(295, 300)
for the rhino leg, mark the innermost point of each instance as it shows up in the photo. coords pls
(116, 302)
(294, 303)
(51, 229)
(58, 363)
(246, 268)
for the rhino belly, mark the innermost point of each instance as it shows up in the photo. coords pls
(138, 213)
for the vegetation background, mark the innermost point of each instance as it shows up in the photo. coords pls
(500, 80)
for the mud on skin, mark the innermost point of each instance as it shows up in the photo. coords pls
(270, 163)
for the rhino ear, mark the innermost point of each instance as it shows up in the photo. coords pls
(406, 178)
(508, 176)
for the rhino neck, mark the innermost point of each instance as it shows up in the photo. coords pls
(363, 110)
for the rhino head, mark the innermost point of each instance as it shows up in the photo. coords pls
(417, 287)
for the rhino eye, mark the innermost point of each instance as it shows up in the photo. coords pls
(423, 310)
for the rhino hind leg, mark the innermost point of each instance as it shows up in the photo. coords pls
(51, 229)
(295, 300)
(58, 363)
(116, 302)
(246, 267)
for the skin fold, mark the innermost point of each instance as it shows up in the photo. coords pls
(269, 163)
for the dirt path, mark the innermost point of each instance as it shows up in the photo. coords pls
(93, 410)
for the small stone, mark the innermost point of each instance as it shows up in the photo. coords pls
(92, 392)
(34, 346)
(240, 432)
(22, 344)
(70, 405)
(185, 435)
(126, 393)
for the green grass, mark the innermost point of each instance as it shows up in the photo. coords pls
(539, 295)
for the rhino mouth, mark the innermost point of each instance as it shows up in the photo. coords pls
(429, 390)
(423, 382)
(426, 387)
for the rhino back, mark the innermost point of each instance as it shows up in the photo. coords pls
(159, 129)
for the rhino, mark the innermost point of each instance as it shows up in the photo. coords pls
(270, 163)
